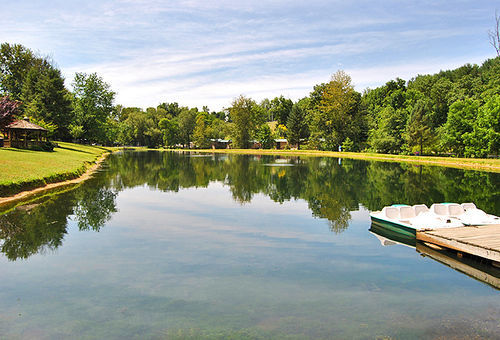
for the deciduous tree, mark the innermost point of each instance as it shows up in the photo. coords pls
(332, 116)
(279, 108)
(93, 104)
(246, 117)
(201, 131)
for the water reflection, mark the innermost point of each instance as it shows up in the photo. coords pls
(332, 189)
(41, 226)
(479, 269)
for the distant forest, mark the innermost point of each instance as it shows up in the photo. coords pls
(454, 112)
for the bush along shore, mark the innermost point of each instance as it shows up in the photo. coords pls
(22, 170)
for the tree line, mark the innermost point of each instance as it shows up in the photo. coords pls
(454, 112)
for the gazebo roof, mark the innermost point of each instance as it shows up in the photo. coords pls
(24, 125)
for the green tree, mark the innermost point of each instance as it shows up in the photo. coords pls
(187, 122)
(460, 122)
(387, 136)
(440, 93)
(38, 84)
(333, 115)
(348, 145)
(15, 62)
(246, 117)
(485, 136)
(418, 129)
(219, 129)
(296, 125)
(280, 108)
(265, 136)
(201, 131)
(172, 109)
(170, 130)
(46, 98)
(93, 104)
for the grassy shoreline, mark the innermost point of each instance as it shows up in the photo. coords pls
(481, 164)
(22, 170)
(25, 173)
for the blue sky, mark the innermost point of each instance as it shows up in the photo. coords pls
(208, 52)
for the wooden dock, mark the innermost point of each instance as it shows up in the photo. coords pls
(482, 241)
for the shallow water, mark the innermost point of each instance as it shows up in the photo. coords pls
(168, 245)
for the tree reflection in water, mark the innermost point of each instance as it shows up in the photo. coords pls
(332, 190)
(41, 226)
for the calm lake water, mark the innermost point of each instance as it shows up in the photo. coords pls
(169, 245)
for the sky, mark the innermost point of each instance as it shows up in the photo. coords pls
(199, 53)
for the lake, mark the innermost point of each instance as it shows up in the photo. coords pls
(178, 245)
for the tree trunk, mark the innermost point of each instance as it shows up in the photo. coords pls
(421, 146)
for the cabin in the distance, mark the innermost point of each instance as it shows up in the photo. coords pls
(220, 143)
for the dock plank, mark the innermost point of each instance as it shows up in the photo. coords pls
(483, 241)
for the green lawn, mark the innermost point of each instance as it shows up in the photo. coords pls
(24, 169)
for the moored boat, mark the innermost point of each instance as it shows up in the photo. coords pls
(408, 219)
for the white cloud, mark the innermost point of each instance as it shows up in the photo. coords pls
(208, 52)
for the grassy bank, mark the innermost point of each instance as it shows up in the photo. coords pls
(25, 169)
(492, 165)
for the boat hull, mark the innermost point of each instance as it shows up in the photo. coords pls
(395, 227)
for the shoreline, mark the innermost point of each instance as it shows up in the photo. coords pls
(24, 195)
(457, 163)
(478, 164)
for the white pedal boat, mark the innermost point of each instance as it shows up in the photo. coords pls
(408, 219)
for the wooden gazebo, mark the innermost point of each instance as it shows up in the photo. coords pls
(23, 134)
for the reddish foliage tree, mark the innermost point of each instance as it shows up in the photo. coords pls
(8, 110)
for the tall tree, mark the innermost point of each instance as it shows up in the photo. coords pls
(418, 129)
(296, 125)
(332, 116)
(244, 116)
(15, 62)
(187, 122)
(46, 99)
(38, 84)
(93, 104)
(201, 131)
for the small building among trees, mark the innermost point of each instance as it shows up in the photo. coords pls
(281, 143)
(220, 143)
(24, 134)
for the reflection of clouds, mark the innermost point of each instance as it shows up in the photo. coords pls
(202, 214)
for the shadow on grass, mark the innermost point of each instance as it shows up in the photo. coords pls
(17, 150)
(73, 149)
